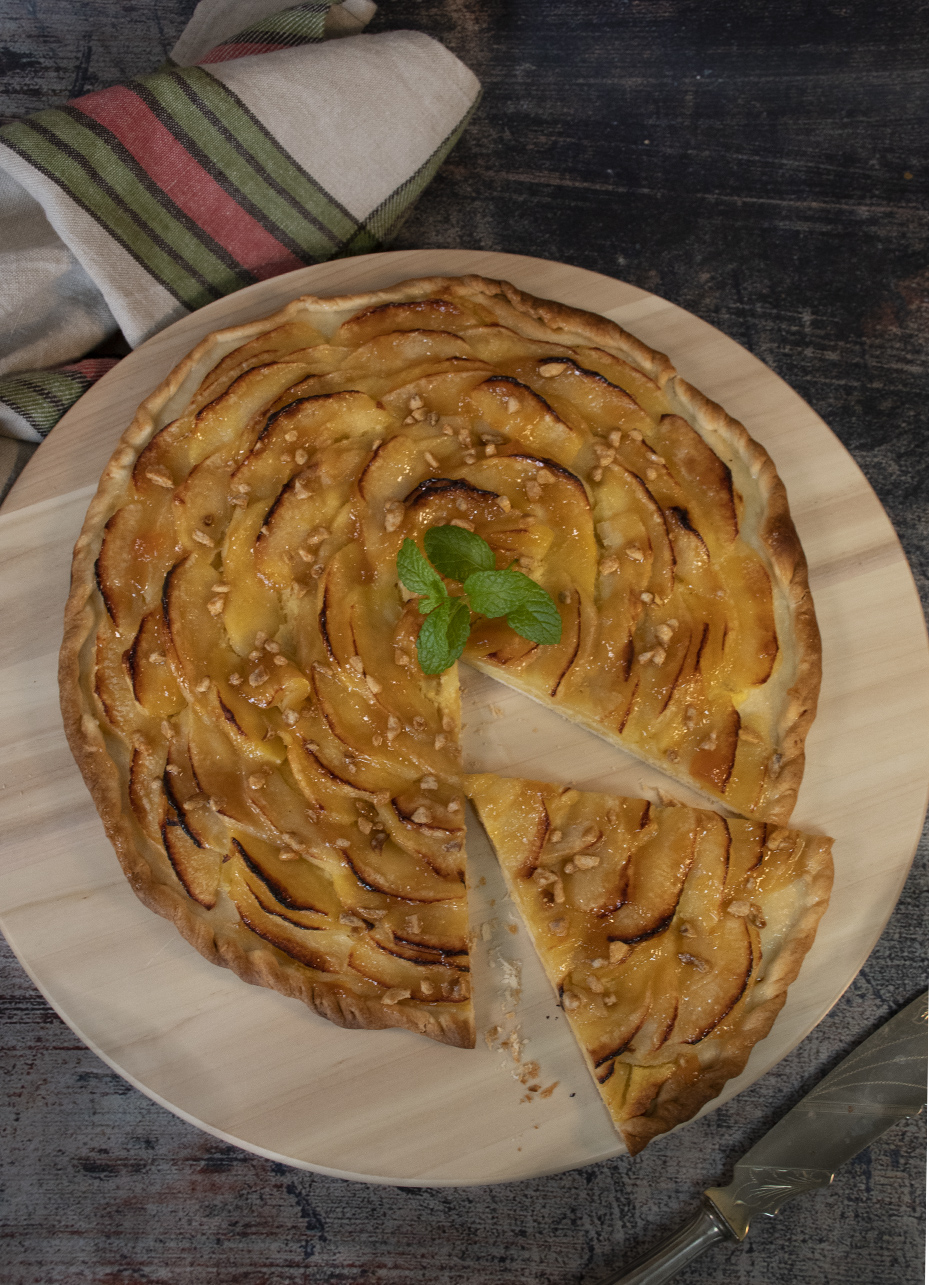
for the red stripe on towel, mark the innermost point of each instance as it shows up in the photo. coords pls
(185, 182)
(92, 368)
(225, 53)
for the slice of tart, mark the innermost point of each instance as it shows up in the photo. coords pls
(670, 934)
(239, 675)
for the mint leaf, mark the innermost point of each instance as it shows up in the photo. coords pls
(495, 593)
(443, 635)
(458, 553)
(416, 575)
(537, 618)
(459, 626)
(527, 607)
(432, 644)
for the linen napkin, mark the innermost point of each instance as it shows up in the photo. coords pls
(270, 139)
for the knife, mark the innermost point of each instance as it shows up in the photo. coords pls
(880, 1082)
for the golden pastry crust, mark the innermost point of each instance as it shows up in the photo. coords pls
(489, 310)
(670, 934)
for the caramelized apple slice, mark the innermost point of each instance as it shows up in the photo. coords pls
(223, 771)
(716, 976)
(197, 867)
(624, 375)
(146, 661)
(428, 981)
(310, 945)
(397, 872)
(393, 470)
(386, 319)
(201, 507)
(751, 645)
(297, 886)
(146, 797)
(634, 532)
(505, 349)
(262, 350)
(399, 350)
(235, 417)
(111, 684)
(653, 882)
(516, 411)
(137, 549)
(250, 605)
(706, 477)
(601, 404)
(443, 389)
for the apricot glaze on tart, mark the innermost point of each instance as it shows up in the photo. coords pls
(239, 675)
(671, 934)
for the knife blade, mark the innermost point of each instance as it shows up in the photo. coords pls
(880, 1082)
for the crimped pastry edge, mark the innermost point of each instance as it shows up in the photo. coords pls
(81, 724)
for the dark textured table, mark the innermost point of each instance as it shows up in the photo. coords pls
(764, 166)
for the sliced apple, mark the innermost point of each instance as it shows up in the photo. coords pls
(137, 549)
(427, 981)
(198, 868)
(146, 798)
(111, 682)
(641, 386)
(280, 342)
(513, 409)
(603, 405)
(315, 948)
(233, 417)
(385, 319)
(707, 479)
(146, 661)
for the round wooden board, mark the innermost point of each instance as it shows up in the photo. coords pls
(261, 1071)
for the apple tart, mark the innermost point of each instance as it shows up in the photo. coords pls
(670, 934)
(239, 673)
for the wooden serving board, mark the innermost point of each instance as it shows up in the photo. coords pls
(261, 1071)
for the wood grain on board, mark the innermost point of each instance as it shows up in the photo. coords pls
(258, 1069)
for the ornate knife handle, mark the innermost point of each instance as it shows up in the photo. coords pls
(673, 1254)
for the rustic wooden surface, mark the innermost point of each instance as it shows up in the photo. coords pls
(771, 199)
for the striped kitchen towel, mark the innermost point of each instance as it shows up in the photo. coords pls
(262, 145)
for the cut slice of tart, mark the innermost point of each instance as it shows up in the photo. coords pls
(670, 934)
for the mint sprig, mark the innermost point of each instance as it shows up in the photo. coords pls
(462, 555)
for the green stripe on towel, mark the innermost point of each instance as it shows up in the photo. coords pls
(301, 24)
(41, 397)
